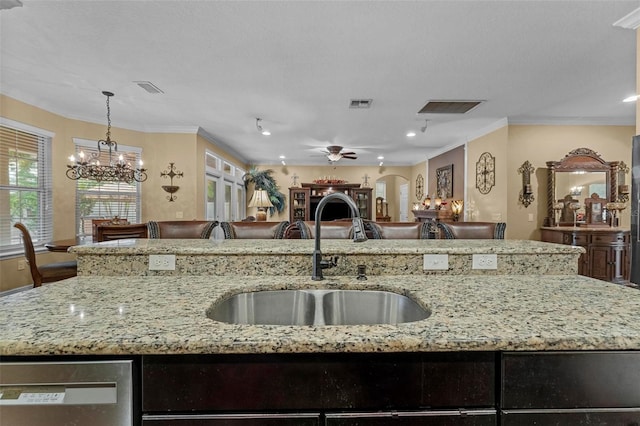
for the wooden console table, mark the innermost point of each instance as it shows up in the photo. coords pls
(608, 250)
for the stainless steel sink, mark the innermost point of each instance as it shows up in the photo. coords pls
(317, 307)
(351, 307)
(277, 307)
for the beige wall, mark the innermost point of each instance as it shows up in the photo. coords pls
(540, 144)
(491, 207)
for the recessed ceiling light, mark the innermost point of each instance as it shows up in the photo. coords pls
(411, 134)
(266, 133)
(380, 157)
(282, 157)
(631, 98)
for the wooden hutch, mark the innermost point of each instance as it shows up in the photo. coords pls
(304, 200)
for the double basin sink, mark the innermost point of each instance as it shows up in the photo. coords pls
(317, 307)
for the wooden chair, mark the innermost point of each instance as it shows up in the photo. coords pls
(472, 230)
(50, 272)
(119, 232)
(172, 229)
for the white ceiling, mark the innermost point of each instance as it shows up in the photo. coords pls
(297, 64)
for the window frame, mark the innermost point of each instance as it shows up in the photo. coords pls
(43, 232)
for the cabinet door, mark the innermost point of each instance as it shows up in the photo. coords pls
(362, 198)
(414, 418)
(570, 380)
(299, 204)
(307, 419)
(601, 262)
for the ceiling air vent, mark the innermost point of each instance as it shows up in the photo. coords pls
(449, 107)
(149, 87)
(360, 103)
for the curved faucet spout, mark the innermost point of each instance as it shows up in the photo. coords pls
(359, 234)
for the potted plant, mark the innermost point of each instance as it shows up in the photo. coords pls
(263, 179)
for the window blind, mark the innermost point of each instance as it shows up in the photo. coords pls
(25, 185)
(106, 200)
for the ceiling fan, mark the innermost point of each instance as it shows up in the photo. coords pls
(335, 153)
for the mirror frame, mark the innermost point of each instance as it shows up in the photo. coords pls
(580, 159)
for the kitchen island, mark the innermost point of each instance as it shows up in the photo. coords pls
(498, 348)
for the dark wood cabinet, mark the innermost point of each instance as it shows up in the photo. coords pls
(607, 250)
(459, 387)
(570, 388)
(299, 204)
(304, 200)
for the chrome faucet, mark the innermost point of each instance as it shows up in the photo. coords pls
(359, 234)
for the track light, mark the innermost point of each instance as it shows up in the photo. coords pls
(424, 128)
(260, 129)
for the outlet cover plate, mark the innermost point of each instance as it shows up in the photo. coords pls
(162, 262)
(436, 262)
(485, 261)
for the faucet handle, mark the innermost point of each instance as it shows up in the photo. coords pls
(359, 234)
(329, 263)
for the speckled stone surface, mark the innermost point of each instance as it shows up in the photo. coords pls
(157, 315)
(293, 257)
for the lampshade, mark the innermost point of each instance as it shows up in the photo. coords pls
(260, 198)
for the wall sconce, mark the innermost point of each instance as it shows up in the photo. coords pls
(526, 193)
(623, 187)
(456, 208)
(260, 199)
(171, 189)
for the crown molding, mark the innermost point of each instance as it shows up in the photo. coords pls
(630, 21)
(224, 146)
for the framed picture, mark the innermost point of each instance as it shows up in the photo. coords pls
(444, 181)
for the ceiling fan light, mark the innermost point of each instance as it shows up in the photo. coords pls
(334, 157)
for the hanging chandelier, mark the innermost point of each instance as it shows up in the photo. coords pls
(118, 170)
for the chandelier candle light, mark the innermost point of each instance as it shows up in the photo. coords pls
(116, 171)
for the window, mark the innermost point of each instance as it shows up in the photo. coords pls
(106, 200)
(225, 198)
(25, 185)
(381, 189)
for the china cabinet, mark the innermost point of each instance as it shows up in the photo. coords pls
(304, 200)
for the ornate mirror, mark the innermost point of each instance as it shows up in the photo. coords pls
(580, 177)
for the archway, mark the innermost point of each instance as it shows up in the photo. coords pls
(390, 187)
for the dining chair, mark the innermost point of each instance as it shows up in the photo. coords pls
(190, 229)
(119, 232)
(50, 272)
(472, 230)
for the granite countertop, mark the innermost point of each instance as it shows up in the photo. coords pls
(585, 228)
(161, 315)
(257, 247)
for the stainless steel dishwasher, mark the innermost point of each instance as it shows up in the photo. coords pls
(96, 393)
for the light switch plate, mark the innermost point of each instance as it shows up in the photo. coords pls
(436, 262)
(162, 262)
(485, 261)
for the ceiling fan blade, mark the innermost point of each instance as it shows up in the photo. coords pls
(350, 157)
(348, 153)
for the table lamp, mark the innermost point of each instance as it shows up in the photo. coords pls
(260, 199)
